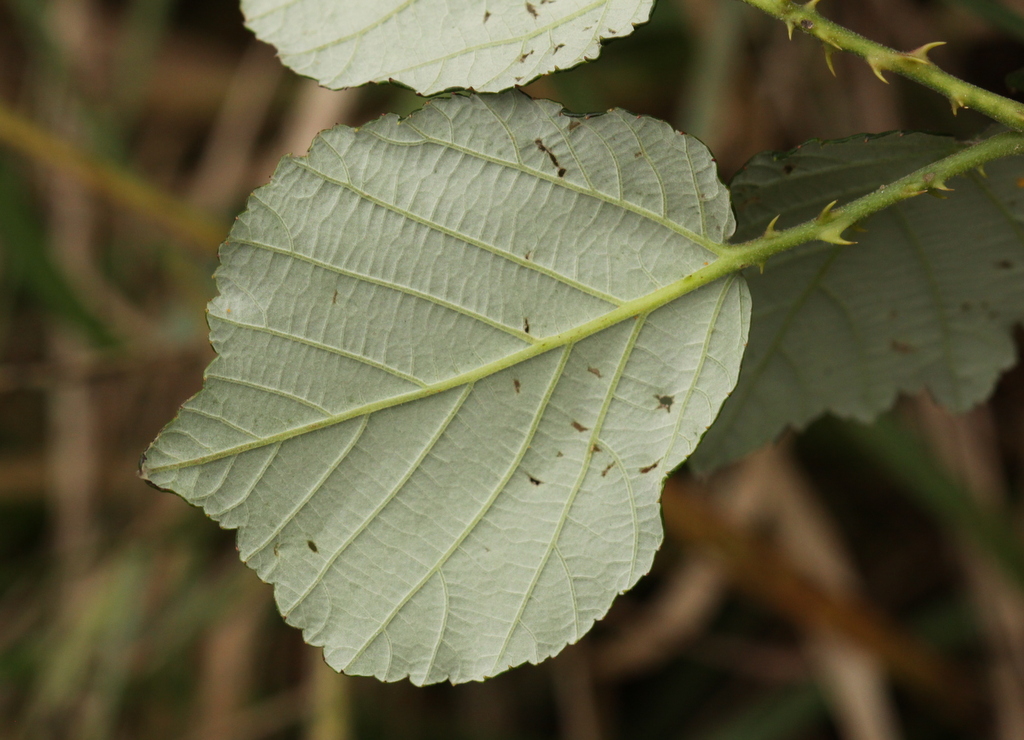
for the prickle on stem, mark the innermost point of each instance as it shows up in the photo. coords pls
(936, 183)
(826, 213)
(770, 231)
(829, 51)
(877, 66)
(834, 236)
(920, 54)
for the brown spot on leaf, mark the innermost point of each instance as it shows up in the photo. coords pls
(533, 480)
(902, 347)
(650, 467)
(595, 449)
(665, 402)
(607, 468)
(312, 546)
(594, 370)
(487, 15)
(277, 549)
(334, 299)
(557, 47)
(1004, 265)
(525, 56)
(578, 427)
(516, 384)
(788, 168)
(573, 125)
(551, 155)
(531, 10)
(526, 325)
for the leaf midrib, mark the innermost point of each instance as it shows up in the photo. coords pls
(720, 268)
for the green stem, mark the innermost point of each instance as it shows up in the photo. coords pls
(830, 224)
(119, 185)
(914, 65)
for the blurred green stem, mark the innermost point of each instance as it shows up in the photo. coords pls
(708, 77)
(28, 265)
(116, 183)
(144, 26)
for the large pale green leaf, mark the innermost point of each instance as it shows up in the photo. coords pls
(926, 299)
(436, 45)
(449, 378)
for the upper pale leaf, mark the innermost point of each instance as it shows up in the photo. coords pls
(926, 299)
(449, 378)
(436, 45)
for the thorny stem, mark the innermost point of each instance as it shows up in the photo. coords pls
(118, 184)
(831, 223)
(914, 64)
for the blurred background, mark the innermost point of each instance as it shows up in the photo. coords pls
(824, 588)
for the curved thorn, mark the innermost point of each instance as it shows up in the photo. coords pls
(876, 67)
(826, 212)
(829, 51)
(920, 54)
(770, 231)
(834, 237)
(935, 183)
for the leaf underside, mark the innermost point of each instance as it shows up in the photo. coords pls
(437, 45)
(429, 435)
(926, 299)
